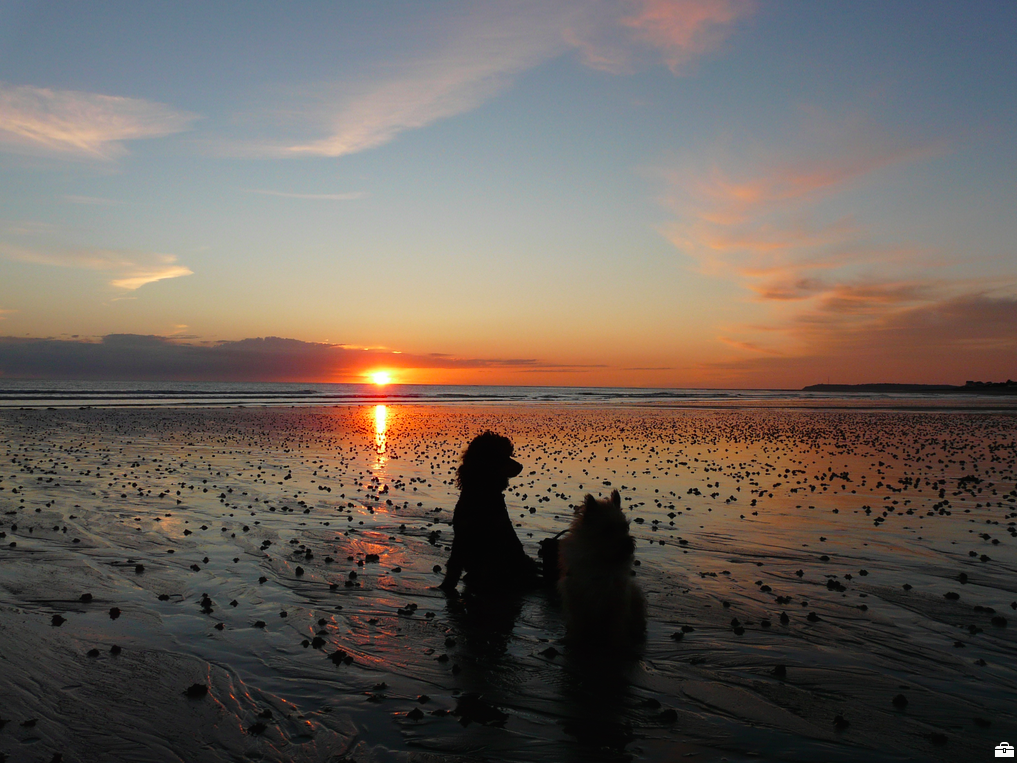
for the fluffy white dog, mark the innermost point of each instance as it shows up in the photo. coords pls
(603, 605)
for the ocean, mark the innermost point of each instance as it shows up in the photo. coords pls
(16, 393)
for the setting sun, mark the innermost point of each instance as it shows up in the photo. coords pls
(380, 377)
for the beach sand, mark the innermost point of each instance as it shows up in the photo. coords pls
(822, 585)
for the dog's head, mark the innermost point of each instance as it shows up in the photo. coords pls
(604, 521)
(487, 463)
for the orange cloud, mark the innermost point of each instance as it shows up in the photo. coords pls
(683, 30)
(833, 300)
(952, 340)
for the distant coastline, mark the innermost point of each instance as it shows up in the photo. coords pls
(1009, 387)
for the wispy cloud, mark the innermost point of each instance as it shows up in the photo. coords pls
(130, 269)
(480, 55)
(310, 196)
(74, 123)
(4, 313)
(481, 52)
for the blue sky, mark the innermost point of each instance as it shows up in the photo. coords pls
(643, 192)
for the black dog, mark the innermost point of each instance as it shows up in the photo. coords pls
(485, 546)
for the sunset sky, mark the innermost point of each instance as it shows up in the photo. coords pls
(661, 193)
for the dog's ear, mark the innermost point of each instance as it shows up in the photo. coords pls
(615, 498)
(589, 503)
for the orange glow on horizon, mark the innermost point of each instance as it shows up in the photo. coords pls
(380, 378)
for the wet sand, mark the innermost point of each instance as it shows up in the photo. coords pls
(822, 585)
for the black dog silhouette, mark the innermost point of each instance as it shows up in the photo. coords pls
(485, 545)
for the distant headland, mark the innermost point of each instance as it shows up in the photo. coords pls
(1009, 387)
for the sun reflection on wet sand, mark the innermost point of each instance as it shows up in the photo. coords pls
(380, 425)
